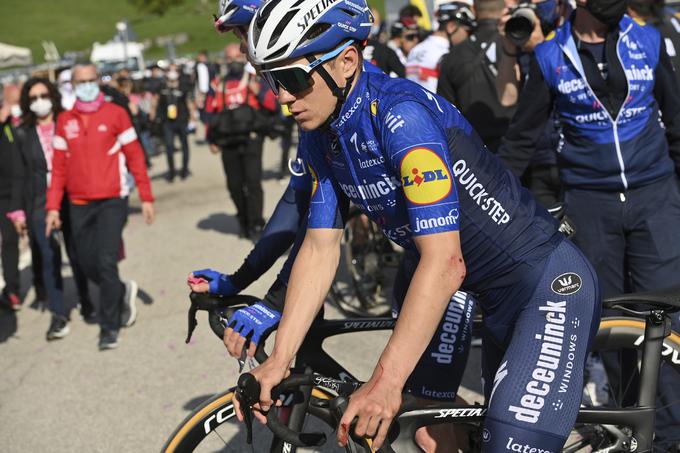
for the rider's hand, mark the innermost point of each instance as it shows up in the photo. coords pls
(214, 148)
(269, 374)
(256, 320)
(376, 403)
(219, 284)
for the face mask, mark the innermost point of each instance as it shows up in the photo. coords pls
(41, 107)
(15, 111)
(87, 92)
(173, 75)
(236, 68)
(609, 12)
(547, 12)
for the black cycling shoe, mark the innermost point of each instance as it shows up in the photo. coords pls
(108, 339)
(59, 328)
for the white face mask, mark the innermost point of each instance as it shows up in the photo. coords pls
(41, 107)
(173, 75)
(15, 111)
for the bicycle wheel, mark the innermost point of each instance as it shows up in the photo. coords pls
(617, 334)
(370, 262)
(213, 427)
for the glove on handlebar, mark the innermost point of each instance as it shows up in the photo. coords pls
(219, 284)
(257, 319)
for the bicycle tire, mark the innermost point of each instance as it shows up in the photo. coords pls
(205, 420)
(367, 283)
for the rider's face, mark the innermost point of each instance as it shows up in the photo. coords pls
(312, 107)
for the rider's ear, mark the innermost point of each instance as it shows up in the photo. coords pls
(350, 59)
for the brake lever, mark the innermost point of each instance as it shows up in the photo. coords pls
(192, 321)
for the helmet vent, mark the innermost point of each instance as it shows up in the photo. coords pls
(316, 31)
(276, 34)
(264, 12)
(349, 12)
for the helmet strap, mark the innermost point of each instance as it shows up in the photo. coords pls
(340, 93)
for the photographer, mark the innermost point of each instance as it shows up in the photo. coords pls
(522, 27)
(236, 131)
(608, 78)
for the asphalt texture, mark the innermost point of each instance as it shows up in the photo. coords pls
(67, 396)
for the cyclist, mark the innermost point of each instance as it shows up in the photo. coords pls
(394, 149)
(287, 226)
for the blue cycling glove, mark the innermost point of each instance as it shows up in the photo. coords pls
(220, 284)
(257, 319)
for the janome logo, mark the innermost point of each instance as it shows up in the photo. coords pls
(424, 176)
(566, 284)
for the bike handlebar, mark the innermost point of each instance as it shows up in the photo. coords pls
(249, 393)
(220, 309)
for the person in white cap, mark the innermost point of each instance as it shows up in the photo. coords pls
(456, 21)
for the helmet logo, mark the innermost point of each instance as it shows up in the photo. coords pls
(314, 12)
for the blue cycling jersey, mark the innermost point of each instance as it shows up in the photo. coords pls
(415, 167)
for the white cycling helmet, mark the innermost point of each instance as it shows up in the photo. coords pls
(284, 29)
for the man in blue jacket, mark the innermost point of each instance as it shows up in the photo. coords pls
(616, 96)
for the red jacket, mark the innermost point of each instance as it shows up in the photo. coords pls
(92, 151)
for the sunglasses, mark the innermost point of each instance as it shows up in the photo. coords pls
(411, 37)
(298, 78)
(39, 96)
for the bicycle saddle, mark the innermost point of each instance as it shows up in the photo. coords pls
(665, 299)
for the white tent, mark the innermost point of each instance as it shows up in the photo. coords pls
(14, 56)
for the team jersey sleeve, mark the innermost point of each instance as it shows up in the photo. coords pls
(418, 152)
(327, 205)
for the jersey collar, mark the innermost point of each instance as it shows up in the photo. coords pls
(351, 110)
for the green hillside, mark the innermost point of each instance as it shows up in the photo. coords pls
(75, 24)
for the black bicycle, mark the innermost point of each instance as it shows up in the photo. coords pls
(317, 390)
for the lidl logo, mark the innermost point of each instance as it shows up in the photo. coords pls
(315, 180)
(424, 176)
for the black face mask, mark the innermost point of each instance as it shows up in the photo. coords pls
(236, 68)
(609, 12)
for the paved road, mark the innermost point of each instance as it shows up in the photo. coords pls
(66, 396)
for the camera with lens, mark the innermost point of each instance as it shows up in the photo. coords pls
(521, 23)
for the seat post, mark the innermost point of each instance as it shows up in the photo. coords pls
(657, 327)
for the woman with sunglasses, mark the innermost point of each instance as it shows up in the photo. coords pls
(41, 103)
(410, 161)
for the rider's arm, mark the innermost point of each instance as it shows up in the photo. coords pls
(667, 94)
(314, 268)
(528, 123)
(277, 237)
(439, 274)
(310, 280)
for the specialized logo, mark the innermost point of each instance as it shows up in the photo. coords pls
(315, 180)
(424, 177)
(566, 284)
(552, 345)
(462, 412)
(434, 222)
(311, 15)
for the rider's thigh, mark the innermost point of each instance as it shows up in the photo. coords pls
(538, 386)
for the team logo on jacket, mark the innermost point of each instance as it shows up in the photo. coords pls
(315, 180)
(424, 176)
(566, 284)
